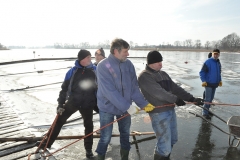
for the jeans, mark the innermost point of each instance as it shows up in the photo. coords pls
(164, 125)
(87, 115)
(209, 95)
(106, 133)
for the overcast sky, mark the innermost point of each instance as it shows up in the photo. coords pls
(44, 22)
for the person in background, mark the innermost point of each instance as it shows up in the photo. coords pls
(78, 93)
(117, 88)
(159, 90)
(99, 55)
(210, 76)
(209, 56)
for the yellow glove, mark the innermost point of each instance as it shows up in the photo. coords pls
(204, 84)
(148, 108)
(220, 84)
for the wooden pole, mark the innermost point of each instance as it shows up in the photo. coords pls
(34, 139)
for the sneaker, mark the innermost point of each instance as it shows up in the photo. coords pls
(207, 117)
(89, 154)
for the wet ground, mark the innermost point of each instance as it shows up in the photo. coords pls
(198, 140)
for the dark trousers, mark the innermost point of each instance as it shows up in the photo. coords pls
(87, 115)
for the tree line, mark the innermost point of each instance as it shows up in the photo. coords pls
(230, 42)
(2, 46)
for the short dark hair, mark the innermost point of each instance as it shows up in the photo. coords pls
(209, 54)
(216, 50)
(118, 44)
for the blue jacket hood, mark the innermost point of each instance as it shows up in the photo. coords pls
(77, 66)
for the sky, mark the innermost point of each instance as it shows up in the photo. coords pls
(154, 22)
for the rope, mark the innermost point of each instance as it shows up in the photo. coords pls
(86, 135)
(220, 104)
(20, 89)
(40, 71)
(46, 136)
(166, 105)
(97, 131)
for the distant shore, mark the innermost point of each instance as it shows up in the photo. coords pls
(179, 49)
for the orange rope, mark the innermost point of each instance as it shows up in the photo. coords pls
(166, 105)
(87, 135)
(46, 137)
(221, 104)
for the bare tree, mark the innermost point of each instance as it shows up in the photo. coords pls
(216, 44)
(198, 43)
(189, 43)
(207, 44)
(107, 44)
(177, 44)
(231, 42)
(131, 44)
(184, 44)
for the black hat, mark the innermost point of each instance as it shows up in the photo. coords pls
(101, 52)
(83, 54)
(154, 57)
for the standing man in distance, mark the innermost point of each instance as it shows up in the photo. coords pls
(210, 76)
(117, 88)
(78, 93)
(159, 90)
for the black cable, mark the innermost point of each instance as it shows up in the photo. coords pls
(20, 89)
(40, 71)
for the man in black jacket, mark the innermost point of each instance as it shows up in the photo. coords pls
(78, 93)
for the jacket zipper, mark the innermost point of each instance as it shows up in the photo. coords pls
(83, 70)
(121, 79)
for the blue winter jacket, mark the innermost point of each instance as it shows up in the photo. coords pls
(117, 86)
(211, 72)
(73, 92)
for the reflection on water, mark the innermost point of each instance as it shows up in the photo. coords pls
(203, 147)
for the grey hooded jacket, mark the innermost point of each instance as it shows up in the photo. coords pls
(159, 89)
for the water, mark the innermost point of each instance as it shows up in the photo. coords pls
(197, 139)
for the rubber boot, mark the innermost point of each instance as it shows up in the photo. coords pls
(101, 157)
(124, 154)
(89, 154)
(159, 157)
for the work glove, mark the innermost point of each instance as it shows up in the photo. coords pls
(220, 84)
(198, 101)
(133, 109)
(204, 84)
(149, 107)
(180, 102)
(60, 109)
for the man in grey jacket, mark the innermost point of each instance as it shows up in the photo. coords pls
(159, 90)
(117, 88)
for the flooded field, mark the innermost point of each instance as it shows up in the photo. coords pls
(198, 140)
